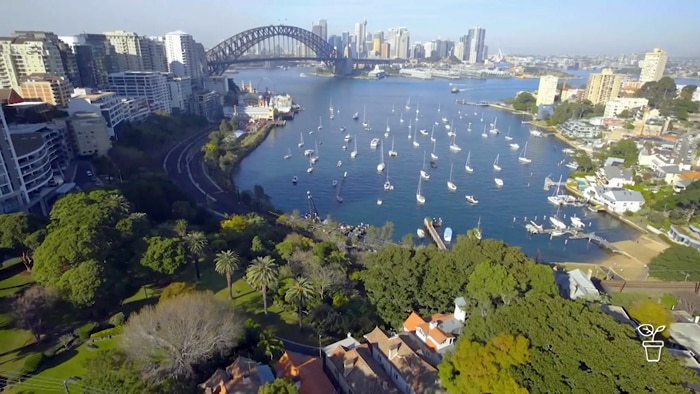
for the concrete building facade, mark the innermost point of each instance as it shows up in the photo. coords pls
(150, 85)
(51, 89)
(603, 87)
(653, 66)
(547, 90)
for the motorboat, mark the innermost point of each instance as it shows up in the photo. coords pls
(421, 233)
(348, 138)
(471, 199)
(288, 155)
(334, 183)
(356, 116)
(342, 129)
(379, 201)
(447, 234)
(499, 181)
(536, 133)
(558, 224)
(295, 180)
(423, 131)
(388, 186)
(572, 164)
(514, 146)
(577, 222)
(339, 163)
(374, 143)
(568, 151)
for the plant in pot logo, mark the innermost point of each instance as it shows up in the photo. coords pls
(652, 347)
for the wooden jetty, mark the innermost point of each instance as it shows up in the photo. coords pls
(478, 104)
(549, 182)
(576, 234)
(428, 222)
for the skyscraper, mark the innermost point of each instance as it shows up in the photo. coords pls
(654, 65)
(603, 87)
(476, 38)
(181, 54)
(547, 90)
(13, 193)
(361, 38)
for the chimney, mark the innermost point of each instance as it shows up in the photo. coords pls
(590, 273)
(348, 364)
(433, 324)
(393, 350)
(696, 319)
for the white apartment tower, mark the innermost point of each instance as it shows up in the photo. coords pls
(13, 193)
(477, 48)
(653, 66)
(360, 38)
(547, 90)
(181, 54)
(127, 50)
(149, 85)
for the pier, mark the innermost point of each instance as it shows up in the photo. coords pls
(549, 182)
(434, 234)
(576, 234)
(466, 102)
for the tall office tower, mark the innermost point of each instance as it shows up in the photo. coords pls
(477, 36)
(13, 193)
(324, 29)
(31, 52)
(181, 54)
(485, 53)
(418, 51)
(317, 29)
(390, 38)
(153, 52)
(127, 50)
(603, 87)
(360, 38)
(654, 65)
(95, 58)
(459, 50)
(377, 40)
(403, 43)
(547, 90)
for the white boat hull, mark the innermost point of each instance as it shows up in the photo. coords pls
(381, 167)
(499, 182)
(420, 199)
(420, 233)
(451, 186)
(424, 175)
(469, 169)
(497, 167)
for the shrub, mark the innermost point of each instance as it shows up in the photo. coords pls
(83, 332)
(32, 363)
(117, 320)
(175, 289)
(108, 332)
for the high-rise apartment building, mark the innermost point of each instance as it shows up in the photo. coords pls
(149, 85)
(399, 40)
(95, 58)
(385, 52)
(127, 50)
(653, 66)
(13, 193)
(50, 89)
(476, 38)
(547, 90)
(31, 52)
(459, 50)
(603, 87)
(153, 52)
(181, 54)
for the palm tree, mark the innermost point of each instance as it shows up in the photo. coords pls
(180, 228)
(196, 243)
(262, 275)
(474, 233)
(269, 343)
(119, 202)
(300, 291)
(226, 263)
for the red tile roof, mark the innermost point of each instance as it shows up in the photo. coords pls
(307, 369)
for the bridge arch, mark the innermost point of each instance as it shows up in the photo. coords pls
(227, 52)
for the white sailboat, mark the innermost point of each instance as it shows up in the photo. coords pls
(496, 167)
(353, 154)
(448, 126)
(514, 146)
(577, 222)
(301, 141)
(288, 155)
(388, 129)
(453, 145)
(468, 164)
(523, 156)
(484, 133)
(387, 185)
(315, 158)
(331, 110)
(419, 195)
(356, 116)
(482, 117)
(417, 110)
(409, 130)
(416, 144)
(433, 155)
(381, 166)
(494, 129)
(408, 103)
(423, 131)
(432, 134)
(311, 167)
(508, 137)
(438, 107)
(364, 117)
(423, 173)
(499, 181)
(393, 109)
(450, 185)
(401, 118)
(392, 152)
(469, 127)
(320, 123)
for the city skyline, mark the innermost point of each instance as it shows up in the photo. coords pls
(547, 31)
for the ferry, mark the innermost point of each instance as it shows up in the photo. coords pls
(447, 235)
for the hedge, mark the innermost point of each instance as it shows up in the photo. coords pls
(32, 363)
(83, 332)
(108, 332)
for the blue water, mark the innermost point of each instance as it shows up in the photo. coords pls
(502, 210)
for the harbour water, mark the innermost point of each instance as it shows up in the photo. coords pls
(501, 211)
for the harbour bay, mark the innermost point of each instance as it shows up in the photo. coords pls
(502, 211)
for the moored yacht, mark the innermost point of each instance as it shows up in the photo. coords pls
(295, 180)
(471, 199)
(421, 233)
(577, 222)
(514, 146)
(374, 143)
(499, 181)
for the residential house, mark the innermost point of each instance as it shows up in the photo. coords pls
(408, 370)
(684, 179)
(243, 376)
(663, 166)
(613, 161)
(615, 200)
(437, 336)
(575, 284)
(689, 237)
(348, 343)
(355, 371)
(580, 129)
(614, 176)
(306, 371)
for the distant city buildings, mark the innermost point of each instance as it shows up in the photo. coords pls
(476, 38)
(547, 90)
(181, 55)
(653, 65)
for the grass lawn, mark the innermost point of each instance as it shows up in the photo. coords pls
(597, 272)
(61, 367)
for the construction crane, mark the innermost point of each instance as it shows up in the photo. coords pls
(313, 212)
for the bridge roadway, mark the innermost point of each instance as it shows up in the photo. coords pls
(434, 234)
(184, 164)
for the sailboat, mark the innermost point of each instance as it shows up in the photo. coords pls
(415, 140)
(484, 133)
(419, 196)
(356, 116)
(468, 164)
(288, 155)
(315, 158)
(450, 184)
(409, 129)
(423, 131)
(499, 181)
(392, 152)
(311, 166)
(432, 134)
(364, 117)
(514, 146)
(417, 110)
(453, 145)
(301, 141)
(493, 129)
(387, 185)
(496, 167)
(388, 129)
(438, 107)
(393, 109)
(401, 117)
(508, 137)
(330, 109)
(408, 103)
(448, 126)
(353, 154)
(423, 173)
(433, 155)
(469, 126)
(482, 116)
(523, 158)
(320, 123)
(381, 166)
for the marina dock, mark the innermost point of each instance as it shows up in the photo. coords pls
(478, 104)
(576, 234)
(434, 234)
(549, 182)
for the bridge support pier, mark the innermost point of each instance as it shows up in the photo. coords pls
(343, 67)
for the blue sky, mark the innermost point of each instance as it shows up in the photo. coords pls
(542, 27)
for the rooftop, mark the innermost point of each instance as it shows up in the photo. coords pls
(611, 172)
(26, 143)
(686, 335)
(625, 195)
(307, 369)
(363, 373)
(243, 376)
(95, 96)
(689, 176)
(348, 343)
(32, 127)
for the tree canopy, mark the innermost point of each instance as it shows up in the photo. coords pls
(679, 262)
(525, 101)
(662, 95)
(625, 149)
(583, 109)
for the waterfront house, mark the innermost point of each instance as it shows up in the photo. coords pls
(243, 376)
(306, 371)
(580, 129)
(614, 176)
(410, 373)
(575, 284)
(689, 237)
(617, 200)
(355, 371)
(684, 179)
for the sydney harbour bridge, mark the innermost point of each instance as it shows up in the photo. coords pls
(281, 42)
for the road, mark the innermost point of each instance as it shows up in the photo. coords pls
(184, 164)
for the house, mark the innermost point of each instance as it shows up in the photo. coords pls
(615, 200)
(243, 376)
(575, 284)
(580, 129)
(408, 370)
(306, 371)
(684, 179)
(348, 343)
(355, 371)
(614, 176)
(613, 161)
(437, 336)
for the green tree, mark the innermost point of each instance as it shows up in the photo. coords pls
(112, 371)
(196, 243)
(257, 245)
(299, 292)
(270, 344)
(491, 282)
(279, 386)
(262, 275)
(226, 263)
(678, 262)
(225, 126)
(625, 149)
(175, 289)
(15, 229)
(652, 312)
(525, 101)
(624, 114)
(164, 255)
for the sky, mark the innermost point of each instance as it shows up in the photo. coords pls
(538, 27)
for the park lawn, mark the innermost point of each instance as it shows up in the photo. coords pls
(61, 367)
